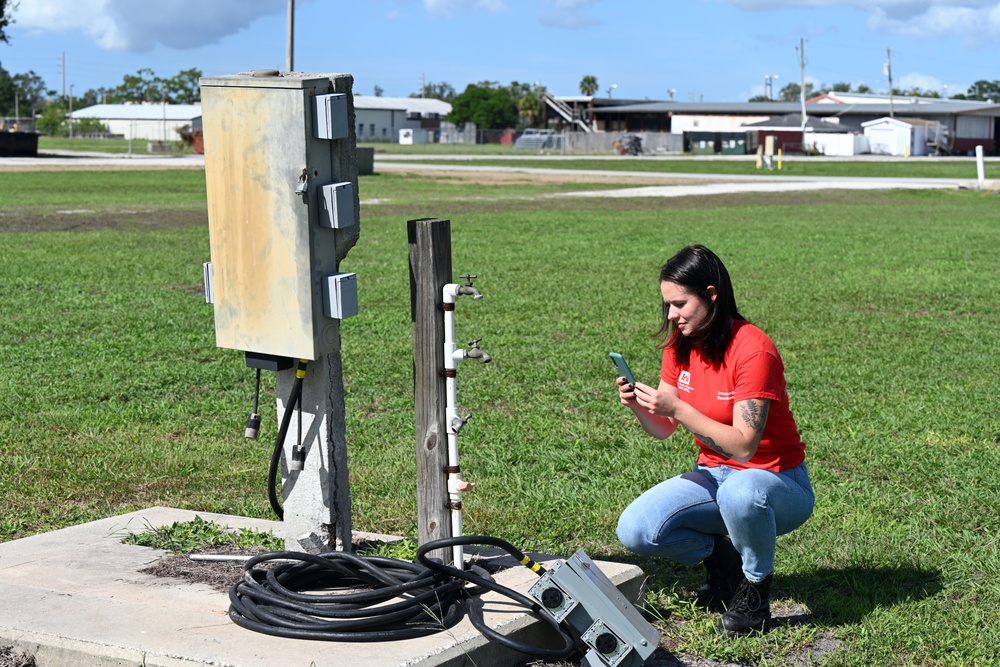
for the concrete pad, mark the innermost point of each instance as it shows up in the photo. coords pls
(76, 598)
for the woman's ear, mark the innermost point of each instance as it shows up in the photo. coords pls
(712, 293)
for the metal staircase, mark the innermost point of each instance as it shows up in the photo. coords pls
(565, 111)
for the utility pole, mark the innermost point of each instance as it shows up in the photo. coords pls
(888, 73)
(290, 53)
(802, 87)
(62, 72)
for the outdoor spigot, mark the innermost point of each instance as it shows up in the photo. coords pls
(458, 421)
(467, 288)
(475, 353)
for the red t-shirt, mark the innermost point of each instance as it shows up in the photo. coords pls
(751, 368)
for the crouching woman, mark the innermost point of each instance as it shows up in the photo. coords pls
(723, 380)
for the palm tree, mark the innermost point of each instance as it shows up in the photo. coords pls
(588, 85)
(529, 107)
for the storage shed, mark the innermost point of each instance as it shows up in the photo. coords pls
(901, 136)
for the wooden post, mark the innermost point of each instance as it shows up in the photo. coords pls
(430, 270)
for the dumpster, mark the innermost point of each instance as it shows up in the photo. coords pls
(733, 143)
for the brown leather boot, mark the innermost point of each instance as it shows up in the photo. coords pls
(725, 572)
(750, 610)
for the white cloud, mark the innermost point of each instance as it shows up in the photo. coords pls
(921, 81)
(968, 22)
(929, 84)
(568, 21)
(126, 25)
(567, 14)
(974, 20)
(450, 6)
(573, 5)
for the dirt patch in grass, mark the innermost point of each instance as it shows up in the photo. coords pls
(479, 177)
(98, 218)
(454, 208)
(218, 575)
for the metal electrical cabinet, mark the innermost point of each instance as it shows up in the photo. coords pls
(283, 210)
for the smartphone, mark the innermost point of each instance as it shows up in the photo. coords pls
(622, 367)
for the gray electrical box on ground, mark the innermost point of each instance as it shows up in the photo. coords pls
(615, 633)
(281, 175)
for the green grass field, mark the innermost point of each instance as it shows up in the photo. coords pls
(113, 396)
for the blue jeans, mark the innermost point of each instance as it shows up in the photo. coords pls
(679, 517)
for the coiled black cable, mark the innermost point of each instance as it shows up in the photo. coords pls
(428, 597)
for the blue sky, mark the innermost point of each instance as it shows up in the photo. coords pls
(704, 50)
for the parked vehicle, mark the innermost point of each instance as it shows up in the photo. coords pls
(628, 144)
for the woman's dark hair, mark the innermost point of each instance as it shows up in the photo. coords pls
(696, 268)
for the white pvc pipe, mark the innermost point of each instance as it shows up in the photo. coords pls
(452, 421)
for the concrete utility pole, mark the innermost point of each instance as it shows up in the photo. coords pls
(802, 87)
(290, 54)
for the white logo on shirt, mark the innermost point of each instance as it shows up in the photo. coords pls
(684, 381)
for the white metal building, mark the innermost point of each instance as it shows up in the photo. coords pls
(149, 122)
(382, 118)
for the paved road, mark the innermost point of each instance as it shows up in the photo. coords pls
(53, 161)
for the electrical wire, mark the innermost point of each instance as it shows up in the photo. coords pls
(372, 598)
(256, 395)
(294, 399)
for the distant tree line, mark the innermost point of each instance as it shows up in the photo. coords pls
(27, 95)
